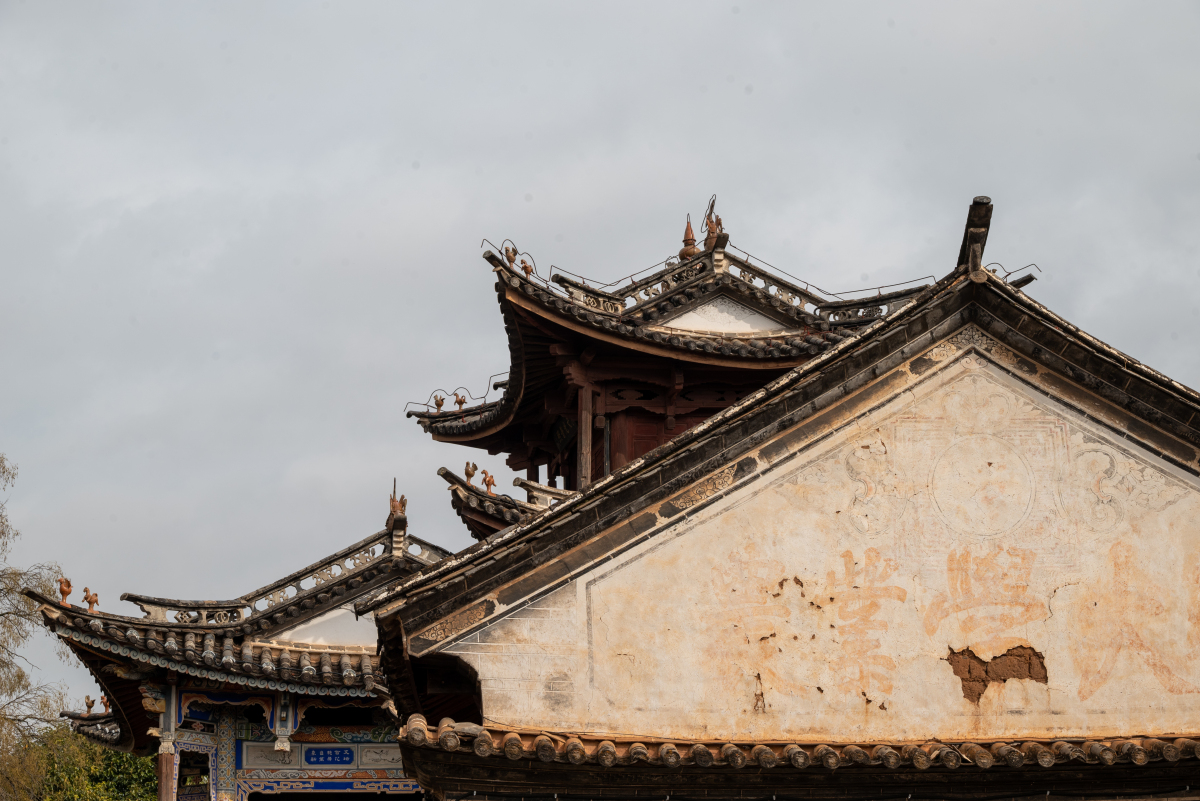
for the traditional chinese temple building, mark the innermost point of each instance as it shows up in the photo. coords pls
(937, 543)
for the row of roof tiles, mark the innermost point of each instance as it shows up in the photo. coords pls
(317, 667)
(580, 749)
(640, 326)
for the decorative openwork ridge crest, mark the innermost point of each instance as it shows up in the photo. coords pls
(318, 584)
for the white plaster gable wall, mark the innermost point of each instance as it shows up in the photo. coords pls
(821, 602)
(529, 661)
(724, 315)
(335, 627)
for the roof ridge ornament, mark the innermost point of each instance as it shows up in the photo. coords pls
(397, 519)
(398, 505)
(689, 248)
(712, 224)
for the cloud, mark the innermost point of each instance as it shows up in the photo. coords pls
(224, 276)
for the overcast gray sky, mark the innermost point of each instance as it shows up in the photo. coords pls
(237, 238)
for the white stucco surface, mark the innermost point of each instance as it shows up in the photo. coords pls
(335, 627)
(821, 602)
(726, 316)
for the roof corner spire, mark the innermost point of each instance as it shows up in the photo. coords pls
(397, 518)
(689, 248)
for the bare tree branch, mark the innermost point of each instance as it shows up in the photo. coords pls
(28, 709)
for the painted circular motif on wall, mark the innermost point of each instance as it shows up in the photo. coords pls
(982, 486)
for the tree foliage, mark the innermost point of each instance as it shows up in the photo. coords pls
(126, 776)
(59, 765)
(25, 706)
(41, 759)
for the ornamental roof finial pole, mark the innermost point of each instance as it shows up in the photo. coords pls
(689, 242)
(399, 506)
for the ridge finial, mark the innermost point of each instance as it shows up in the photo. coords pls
(689, 242)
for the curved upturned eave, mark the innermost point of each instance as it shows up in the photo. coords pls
(521, 305)
(514, 393)
(670, 352)
(507, 408)
(123, 695)
(470, 502)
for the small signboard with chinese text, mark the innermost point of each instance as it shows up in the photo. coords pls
(329, 756)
